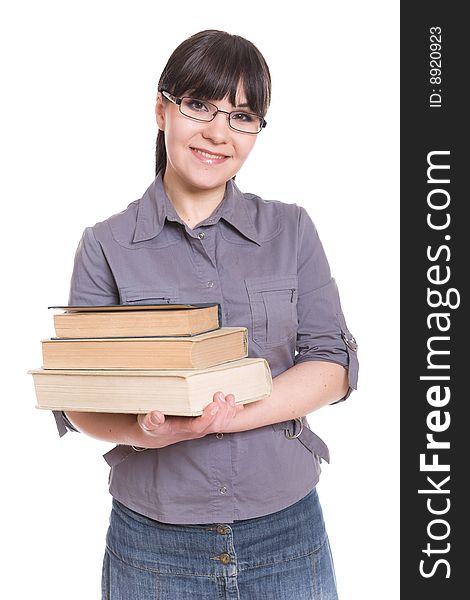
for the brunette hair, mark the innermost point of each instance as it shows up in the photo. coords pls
(210, 65)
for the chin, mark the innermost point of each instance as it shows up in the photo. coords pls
(209, 182)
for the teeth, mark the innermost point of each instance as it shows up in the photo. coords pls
(207, 155)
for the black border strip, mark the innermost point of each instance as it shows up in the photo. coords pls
(434, 340)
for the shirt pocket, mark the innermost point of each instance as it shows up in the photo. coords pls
(273, 306)
(141, 295)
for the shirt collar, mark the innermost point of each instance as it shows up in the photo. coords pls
(155, 207)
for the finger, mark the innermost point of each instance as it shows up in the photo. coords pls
(151, 421)
(235, 409)
(200, 424)
(219, 408)
(219, 397)
(230, 398)
(225, 415)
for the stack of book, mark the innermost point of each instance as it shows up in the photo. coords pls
(139, 358)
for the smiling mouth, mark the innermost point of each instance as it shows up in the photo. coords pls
(209, 155)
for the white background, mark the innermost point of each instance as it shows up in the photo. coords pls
(77, 145)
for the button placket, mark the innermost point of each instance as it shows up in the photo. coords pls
(201, 248)
(207, 245)
(227, 555)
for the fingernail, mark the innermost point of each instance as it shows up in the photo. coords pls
(221, 397)
(214, 409)
(155, 420)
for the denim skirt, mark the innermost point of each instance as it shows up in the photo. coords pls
(281, 556)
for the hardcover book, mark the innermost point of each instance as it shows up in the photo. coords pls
(135, 320)
(174, 391)
(184, 352)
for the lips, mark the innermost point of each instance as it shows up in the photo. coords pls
(207, 156)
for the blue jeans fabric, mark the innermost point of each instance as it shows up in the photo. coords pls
(281, 556)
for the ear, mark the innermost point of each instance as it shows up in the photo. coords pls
(160, 112)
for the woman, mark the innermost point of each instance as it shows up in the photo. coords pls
(222, 505)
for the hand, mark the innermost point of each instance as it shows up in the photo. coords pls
(164, 430)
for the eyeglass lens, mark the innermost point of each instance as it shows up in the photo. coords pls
(205, 111)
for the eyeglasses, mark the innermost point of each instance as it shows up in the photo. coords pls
(201, 110)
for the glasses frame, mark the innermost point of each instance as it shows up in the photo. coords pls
(178, 102)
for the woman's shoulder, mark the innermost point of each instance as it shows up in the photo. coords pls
(119, 225)
(123, 226)
(270, 217)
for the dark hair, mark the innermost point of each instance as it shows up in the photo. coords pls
(210, 65)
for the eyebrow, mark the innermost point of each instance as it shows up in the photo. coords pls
(243, 105)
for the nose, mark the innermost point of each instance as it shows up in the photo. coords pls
(217, 130)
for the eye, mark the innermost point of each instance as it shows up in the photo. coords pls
(196, 105)
(243, 117)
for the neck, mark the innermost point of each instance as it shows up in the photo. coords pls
(192, 205)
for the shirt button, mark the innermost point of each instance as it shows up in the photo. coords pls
(224, 558)
(219, 436)
(201, 235)
(223, 490)
(210, 284)
(222, 530)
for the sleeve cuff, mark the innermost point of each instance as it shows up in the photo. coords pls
(353, 364)
(63, 423)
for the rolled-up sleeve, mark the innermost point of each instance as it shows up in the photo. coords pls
(322, 332)
(92, 284)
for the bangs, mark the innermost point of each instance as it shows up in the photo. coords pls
(212, 71)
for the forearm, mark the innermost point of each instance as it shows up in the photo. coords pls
(109, 427)
(300, 390)
(155, 430)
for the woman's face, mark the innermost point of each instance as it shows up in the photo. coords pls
(202, 155)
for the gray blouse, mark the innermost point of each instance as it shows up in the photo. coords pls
(264, 263)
